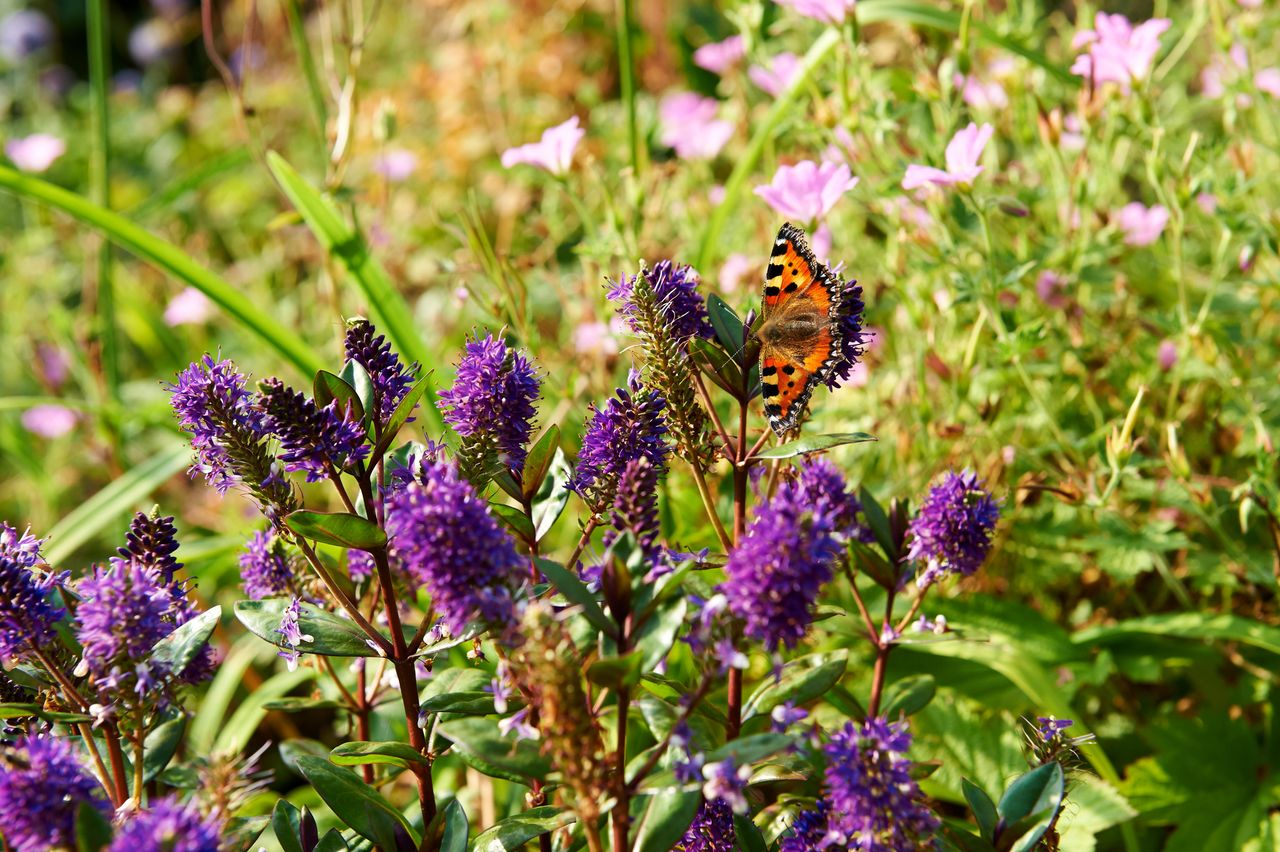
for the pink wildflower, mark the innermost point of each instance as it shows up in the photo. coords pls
(396, 164)
(1118, 51)
(1268, 80)
(1167, 355)
(981, 95)
(827, 11)
(49, 421)
(35, 153)
(1049, 287)
(781, 71)
(552, 153)
(1142, 225)
(687, 122)
(719, 56)
(190, 307)
(736, 267)
(807, 191)
(963, 152)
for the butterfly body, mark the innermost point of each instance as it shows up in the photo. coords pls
(800, 329)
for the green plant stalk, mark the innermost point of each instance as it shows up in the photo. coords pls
(626, 74)
(298, 33)
(100, 191)
(170, 259)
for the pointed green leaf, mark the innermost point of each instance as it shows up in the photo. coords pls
(176, 651)
(538, 462)
(909, 696)
(984, 810)
(390, 753)
(93, 830)
(331, 636)
(511, 834)
(286, 824)
(726, 322)
(356, 803)
(552, 495)
(327, 387)
(483, 747)
(568, 584)
(514, 520)
(1034, 793)
(399, 417)
(338, 528)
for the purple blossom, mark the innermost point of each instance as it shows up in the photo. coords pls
(1167, 355)
(711, 830)
(1049, 728)
(552, 153)
(492, 399)
(807, 191)
(777, 76)
(777, 569)
(635, 509)
(391, 380)
(168, 826)
(1142, 225)
(630, 426)
(719, 56)
(265, 567)
(785, 715)
(34, 153)
(24, 33)
(828, 11)
(962, 156)
(152, 540)
(319, 441)
(688, 124)
(125, 609)
(807, 831)
(727, 782)
(1118, 51)
(42, 785)
(49, 421)
(23, 548)
(675, 288)
(360, 565)
(952, 532)
(27, 616)
(874, 802)
(291, 635)
(519, 723)
(825, 487)
(447, 541)
(395, 164)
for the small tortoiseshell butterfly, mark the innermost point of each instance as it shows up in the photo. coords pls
(800, 330)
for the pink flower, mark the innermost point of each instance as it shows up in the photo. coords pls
(594, 338)
(827, 11)
(1049, 286)
(1167, 355)
(980, 95)
(552, 153)
(1207, 202)
(820, 241)
(716, 194)
(190, 307)
(1250, 4)
(1142, 225)
(841, 151)
(687, 122)
(1118, 52)
(35, 153)
(910, 213)
(1268, 80)
(719, 56)
(737, 267)
(52, 363)
(963, 152)
(807, 191)
(49, 421)
(396, 164)
(781, 71)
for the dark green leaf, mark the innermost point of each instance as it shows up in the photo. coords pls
(538, 462)
(984, 810)
(286, 823)
(14, 710)
(1037, 792)
(467, 703)
(748, 834)
(176, 651)
(879, 523)
(1028, 833)
(457, 831)
(291, 751)
(512, 833)
(93, 830)
(300, 703)
(339, 528)
(798, 684)
(870, 561)
(552, 495)
(716, 365)
(504, 480)
(331, 636)
(327, 387)
(725, 321)
(514, 519)
(568, 584)
(666, 819)
(617, 672)
(909, 695)
(815, 443)
(846, 702)
(658, 633)
(483, 747)
(356, 803)
(404, 410)
(241, 832)
(160, 746)
(391, 753)
(332, 842)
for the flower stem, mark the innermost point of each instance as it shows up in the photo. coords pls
(709, 504)
(734, 705)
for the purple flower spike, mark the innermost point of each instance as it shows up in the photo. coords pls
(27, 617)
(391, 380)
(447, 541)
(630, 426)
(711, 831)
(807, 832)
(823, 483)
(952, 533)
(265, 568)
(41, 787)
(312, 439)
(776, 571)
(152, 541)
(212, 404)
(875, 803)
(168, 827)
(675, 289)
(491, 401)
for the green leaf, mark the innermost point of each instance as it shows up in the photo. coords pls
(909, 695)
(457, 831)
(360, 752)
(241, 832)
(301, 703)
(327, 387)
(538, 462)
(748, 834)
(749, 749)
(93, 830)
(666, 818)
(1037, 793)
(552, 495)
(984, 810)
(1187, 625)
(478, 703)
(357, 378)
(798, 685)
(356, 803)
(332, 842)
(716, 365)
(390, 312)
(161, 745)
(330, 635)
(512, 833)
(339, 528)
(176, 651)
(484, 748)
(15, 710)
(172, 260)
(514, 520)
(815, 443)
(728, 328)
(878, 520)
(399, 417)
(286, 824)
(617, 672)
(657, 634)
(568, 584)
(118, 498)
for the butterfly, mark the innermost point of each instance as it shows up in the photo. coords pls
(800, 329)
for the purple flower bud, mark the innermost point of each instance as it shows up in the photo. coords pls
(785, 715)
(312, 439)
(807, 832)
(152, 541)
(168, 826)
(42, 785)
(390, 379)
(447, 541)
(711, 830)
(1167, 355)
(675, 290)
(952, 532)
(776, 571)
(850, 335)
(630, 426)
(27, 617)
(491, 401)
(265, 568)
(873, 798)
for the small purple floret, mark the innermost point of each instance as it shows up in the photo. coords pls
(168, 826)
(265, 569)
(312, 439)
(212, 403)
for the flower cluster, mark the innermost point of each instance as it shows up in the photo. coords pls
(291, 635)
(1118, 52)
(688, 124)
(319, 441)
(152, 540)
(630, 426)
(491, 407)
(27, 616)
(873, 801)
(42, 785)
(168, 826)
(952, 532)
(447, 540)
(391, 380)
(825, 487)
(266, 569)
(807, 832)
(663, 300)
(711, 830)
